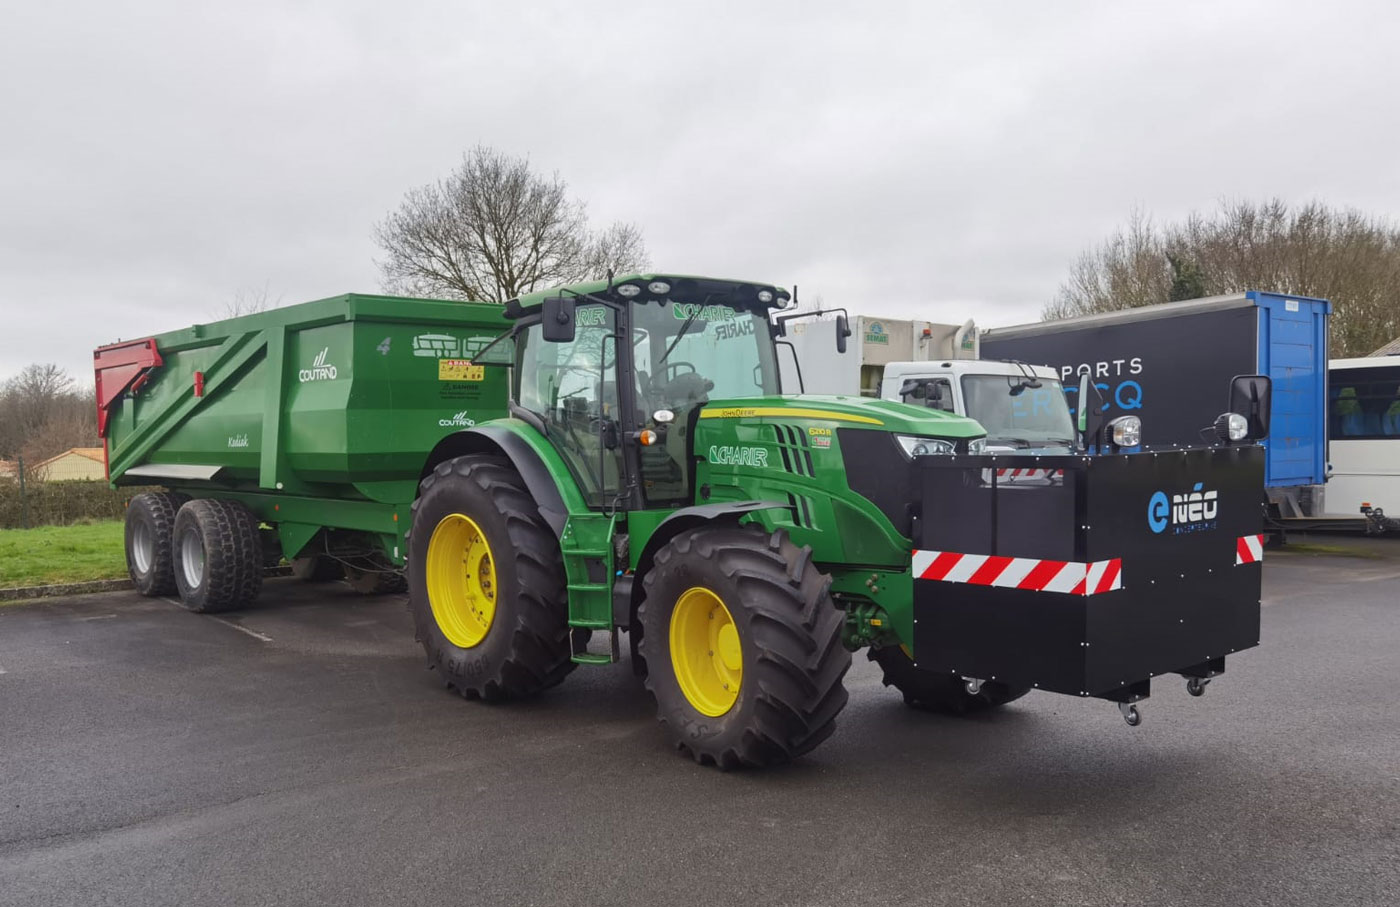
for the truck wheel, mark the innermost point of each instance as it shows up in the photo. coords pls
(936, 692)
(150, 524)
(375, 582)
(744, 646)
(218, 555)
(486, 582)
(316, 569)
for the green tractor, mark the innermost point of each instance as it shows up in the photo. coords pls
(652, 477)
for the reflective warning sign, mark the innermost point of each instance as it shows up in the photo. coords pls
(460, 370)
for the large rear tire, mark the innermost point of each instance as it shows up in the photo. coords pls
(743, 646)
(150, 526)
(486, 582)
(375, 582)
(937, 692)
(218, 555)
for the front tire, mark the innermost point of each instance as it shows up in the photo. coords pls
(218, 555)
(150, 527)
(486, 582)
(744, 648)
(936, 692)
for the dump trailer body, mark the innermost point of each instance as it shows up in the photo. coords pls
(317, 416)
(1171, 364)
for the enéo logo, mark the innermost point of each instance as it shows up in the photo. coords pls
(1193, 511)
(1158, 510)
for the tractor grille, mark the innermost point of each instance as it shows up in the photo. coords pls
(879, 471)
(792, 445)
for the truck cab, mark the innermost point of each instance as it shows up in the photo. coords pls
(1022, 407)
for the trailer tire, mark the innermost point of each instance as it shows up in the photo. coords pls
(744, 646)
(218, 555)
(375, 582)
(317, 568)
(150, 526)
(936, 692)
(508, 612)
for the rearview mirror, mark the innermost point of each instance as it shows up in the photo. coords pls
(557, 319)
(843, 330)
(1251, 396)
(913, 387)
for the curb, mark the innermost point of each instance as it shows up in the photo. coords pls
(25, 593)
(98, 585)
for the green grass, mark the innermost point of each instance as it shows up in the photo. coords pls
(61, 554)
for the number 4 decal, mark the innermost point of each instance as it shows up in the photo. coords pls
(384, 347)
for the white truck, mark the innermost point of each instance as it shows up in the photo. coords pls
(1022, 407)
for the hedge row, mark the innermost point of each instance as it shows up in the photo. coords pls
(61, 503)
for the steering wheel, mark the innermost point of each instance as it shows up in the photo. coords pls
(668, 367)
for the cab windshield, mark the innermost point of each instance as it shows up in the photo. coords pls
(1028, 417)
(682, 356)
(686, 353)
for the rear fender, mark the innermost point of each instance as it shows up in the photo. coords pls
(531, 457)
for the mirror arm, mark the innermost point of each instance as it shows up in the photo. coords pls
(796, 363)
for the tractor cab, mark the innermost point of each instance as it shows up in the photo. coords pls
(615, 375)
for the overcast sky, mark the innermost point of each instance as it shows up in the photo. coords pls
(934, 160)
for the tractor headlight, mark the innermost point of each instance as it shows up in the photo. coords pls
(1231, 427)
(659, 287)
(1126, 431)
(627, 290)
(923, 447)
(977, 446)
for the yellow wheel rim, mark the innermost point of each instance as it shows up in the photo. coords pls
(705, 651)
(461, 574)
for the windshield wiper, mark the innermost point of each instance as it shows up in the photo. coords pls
(684, 327)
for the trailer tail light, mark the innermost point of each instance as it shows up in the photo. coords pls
(199, 384)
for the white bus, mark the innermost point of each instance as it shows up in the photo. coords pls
(1363, 431)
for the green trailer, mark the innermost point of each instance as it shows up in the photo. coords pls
(317, 420)
(618, 457)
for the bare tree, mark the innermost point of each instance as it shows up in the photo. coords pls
(1343, 255)
(249, 300)
(42, 413)
(1126, 270)
(495, 229)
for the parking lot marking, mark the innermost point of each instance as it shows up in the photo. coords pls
(227, 623)
(242, 629)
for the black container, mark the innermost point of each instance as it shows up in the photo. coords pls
(1170, 526)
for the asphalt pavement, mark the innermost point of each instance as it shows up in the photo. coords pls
(300, 753)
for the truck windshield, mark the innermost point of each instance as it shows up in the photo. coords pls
(1032, 417)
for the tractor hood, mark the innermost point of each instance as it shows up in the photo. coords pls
(848, 412)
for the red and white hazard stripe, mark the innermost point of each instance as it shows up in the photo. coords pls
(1249, 549)
(1029, 573)
(1003, 474)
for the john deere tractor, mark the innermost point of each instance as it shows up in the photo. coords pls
(652, 478)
